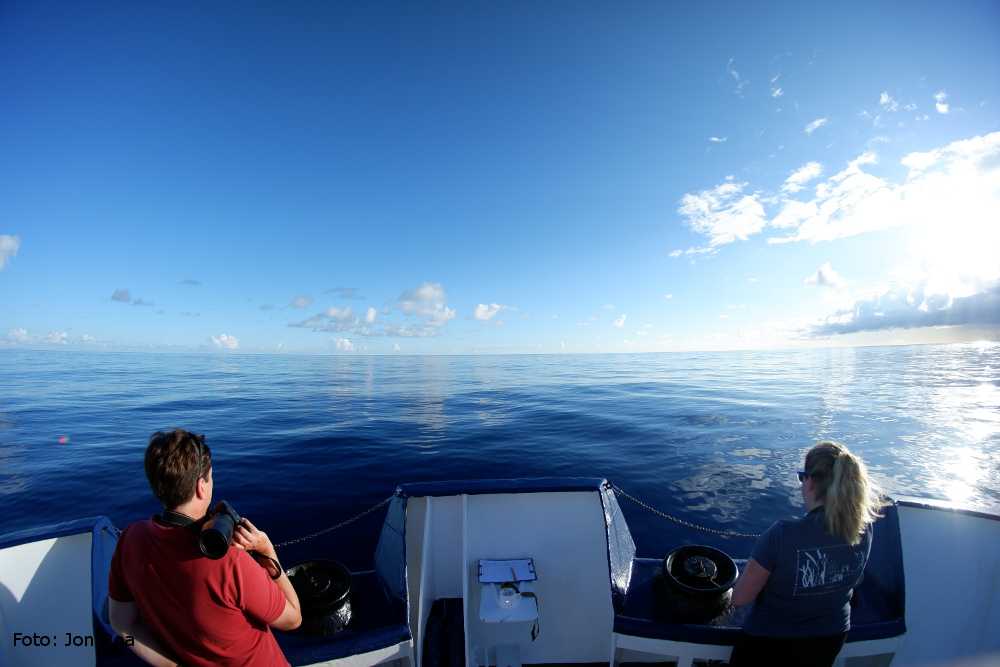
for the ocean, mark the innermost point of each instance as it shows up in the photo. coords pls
(303, 443)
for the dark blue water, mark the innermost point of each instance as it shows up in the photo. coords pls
(301, 443)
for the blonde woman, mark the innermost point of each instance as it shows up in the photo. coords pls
(802, 572)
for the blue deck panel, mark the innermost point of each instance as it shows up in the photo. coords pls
(645, 614)
(877, 608)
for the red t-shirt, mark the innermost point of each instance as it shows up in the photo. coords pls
(210, 612)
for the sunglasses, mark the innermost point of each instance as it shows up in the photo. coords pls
(802, 476)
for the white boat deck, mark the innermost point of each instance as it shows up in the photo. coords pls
(595, 600)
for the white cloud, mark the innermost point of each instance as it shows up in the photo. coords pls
(972, 160)
(848, 203)
(339, 314)
(58, 337)
(777, 92)
(424, 301)
(225, 342)
(903, 307)
(344, 292)
(21, 336)
(724, 214)
(740, 82)
(676, 253)
(803, 175)
(336, 320)
(718, 140)
(950, 276)
(826, 277)
(947, 272)
(939, 98)
(301, 301)
(8, 248)
(427, 301)
(816, 124)
(620, 322)
(396, 347)
(958, 185)
(793, 213)
(343, 344)
(486, 312)
(887, 103)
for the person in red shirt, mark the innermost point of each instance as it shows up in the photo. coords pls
(178, 606)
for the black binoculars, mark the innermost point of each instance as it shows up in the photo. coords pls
(217, 533)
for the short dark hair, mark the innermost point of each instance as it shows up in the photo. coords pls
(173, 466)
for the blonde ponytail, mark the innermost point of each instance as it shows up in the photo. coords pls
(852, 500)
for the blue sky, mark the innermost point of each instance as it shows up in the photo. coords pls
(483, 177)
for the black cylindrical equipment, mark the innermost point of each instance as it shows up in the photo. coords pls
(699, 581)
(324, 588)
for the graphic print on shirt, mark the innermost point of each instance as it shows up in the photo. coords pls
(827, 569)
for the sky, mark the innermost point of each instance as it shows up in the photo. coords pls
(497, 177)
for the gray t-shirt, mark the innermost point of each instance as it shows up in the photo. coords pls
(813, 576)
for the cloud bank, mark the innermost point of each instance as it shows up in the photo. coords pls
(424, 310)
(950, 200)
(900, 308)
(225, 342)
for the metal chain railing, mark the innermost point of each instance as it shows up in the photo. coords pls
(657, 512)
(614, 487)
(338, 526)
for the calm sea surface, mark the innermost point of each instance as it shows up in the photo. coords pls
(301, 443)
